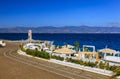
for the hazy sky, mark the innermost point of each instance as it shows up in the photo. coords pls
(59, 12)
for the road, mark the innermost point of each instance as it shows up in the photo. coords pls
(14, 66)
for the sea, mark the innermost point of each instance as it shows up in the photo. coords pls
(98, 40)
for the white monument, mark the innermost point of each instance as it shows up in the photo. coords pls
(29, 35)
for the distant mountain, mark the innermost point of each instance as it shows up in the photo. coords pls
(65, 29)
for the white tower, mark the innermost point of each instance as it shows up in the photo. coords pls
(29, 35)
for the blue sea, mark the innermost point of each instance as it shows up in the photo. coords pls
(98, 40)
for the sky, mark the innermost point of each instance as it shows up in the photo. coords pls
(34, 13)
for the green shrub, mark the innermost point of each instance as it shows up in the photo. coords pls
(101, 65)
(112, 68)
(21, 48)
(107, 66)
(91, 64)
(117, 71)
(81, 62)
(45, 55)
(28, 51)
(85, 63)
(57, 57)
(68, 59)
(38, 53)
(96, 63)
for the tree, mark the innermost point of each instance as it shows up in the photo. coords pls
(76, 43)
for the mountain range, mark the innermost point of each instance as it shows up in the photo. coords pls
(65, 29)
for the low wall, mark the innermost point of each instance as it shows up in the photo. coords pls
(86, 68)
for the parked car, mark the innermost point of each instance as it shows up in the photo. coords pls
(2, 43)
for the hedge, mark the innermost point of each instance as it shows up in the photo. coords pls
(57, 57)
(37, 53)
(81, 62)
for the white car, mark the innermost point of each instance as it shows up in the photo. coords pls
(2, 44)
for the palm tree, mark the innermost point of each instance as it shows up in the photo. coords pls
(76, 43)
